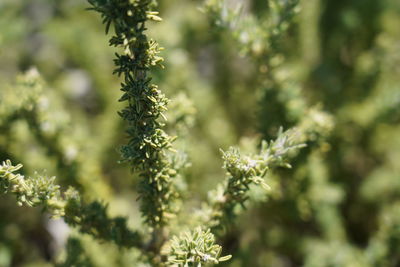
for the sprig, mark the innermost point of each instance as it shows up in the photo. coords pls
(195, 249)
(149, 147)
(244, 170)
(32, 192)
(90, 218)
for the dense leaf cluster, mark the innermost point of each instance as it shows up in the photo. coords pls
(148, 146)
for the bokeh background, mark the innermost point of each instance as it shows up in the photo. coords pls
(234, 76)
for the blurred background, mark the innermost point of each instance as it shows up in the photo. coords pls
(234, 76)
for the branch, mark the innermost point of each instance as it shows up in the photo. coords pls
(89, 218)
(149, 147)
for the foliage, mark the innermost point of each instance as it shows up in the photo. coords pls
(296, 100)
(195, 249)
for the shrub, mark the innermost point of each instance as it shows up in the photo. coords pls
(297, 101)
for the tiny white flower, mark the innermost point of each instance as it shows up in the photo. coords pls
(206, 257)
